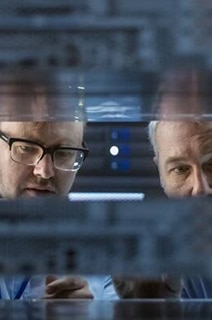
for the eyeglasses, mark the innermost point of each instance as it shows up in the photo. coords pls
(30, 153)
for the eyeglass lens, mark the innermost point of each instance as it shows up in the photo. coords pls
(30, 154)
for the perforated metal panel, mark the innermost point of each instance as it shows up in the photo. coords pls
(118, 237)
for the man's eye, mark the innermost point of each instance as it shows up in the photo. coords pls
(209, 165)
(25, 149)
(65, 154)
(180, 170)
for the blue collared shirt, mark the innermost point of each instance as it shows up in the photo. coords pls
(197, 288)
(14, 287)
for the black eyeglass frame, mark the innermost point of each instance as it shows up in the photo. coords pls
(51, 150)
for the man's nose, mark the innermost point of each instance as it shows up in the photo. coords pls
(45, 167)
(201, 184)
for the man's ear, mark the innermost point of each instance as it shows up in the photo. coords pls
(155, 159)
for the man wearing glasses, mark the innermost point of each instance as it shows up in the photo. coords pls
(41, 159)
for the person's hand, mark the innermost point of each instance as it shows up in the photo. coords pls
(69, 287)
(166, 286)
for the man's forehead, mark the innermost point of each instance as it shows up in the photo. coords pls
(40, 124)
(181, 140)
(32, 129)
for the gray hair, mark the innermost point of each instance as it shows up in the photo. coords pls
(152, 128)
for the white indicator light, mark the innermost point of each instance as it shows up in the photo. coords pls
(114, 150)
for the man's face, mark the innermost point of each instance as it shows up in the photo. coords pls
(18, 180)
(185, 158)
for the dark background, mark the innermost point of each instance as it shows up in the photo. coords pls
(117, 50)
